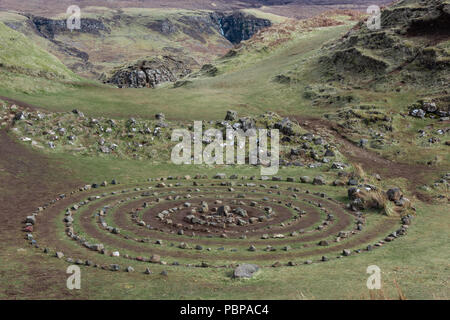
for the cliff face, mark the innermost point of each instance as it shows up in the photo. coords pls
(49, 27)
(237, 27)
(234, 26)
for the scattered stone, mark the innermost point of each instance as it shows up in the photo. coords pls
(31, 219)
(231, 115)
(319, 180)
(155, 258)
(324, 243)
(276, 264)
(363, 142)
(115, 267)
(305, 179)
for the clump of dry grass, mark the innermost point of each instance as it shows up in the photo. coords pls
(359, 171)
(389, 208)
(373, 199)
(377, 199)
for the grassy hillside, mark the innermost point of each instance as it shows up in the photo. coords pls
(126, 35)
(27, 68)
(18, 54)
(245, 83)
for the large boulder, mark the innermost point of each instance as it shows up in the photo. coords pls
(155, 258)
(247, 123)
(223, 210)
(430, 107)
(394, 194)
(231, 115)
(245, 271)
(286, 127)
(418, 113)
(319, 180)
(353, 193)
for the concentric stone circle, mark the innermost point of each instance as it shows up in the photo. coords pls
(204, 222)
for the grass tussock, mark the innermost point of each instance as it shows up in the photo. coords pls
(359, 171)
(377, 199)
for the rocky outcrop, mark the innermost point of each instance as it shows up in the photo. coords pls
(237, 26)
(430, 109)
(410, 46)
(48, 28)
(356, 61)
(197, 27)
(234, 26)
(420, 18)
(165, 26)
(149, 73)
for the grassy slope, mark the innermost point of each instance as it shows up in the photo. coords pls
(249, 89)
(17, 51)
(28, 68)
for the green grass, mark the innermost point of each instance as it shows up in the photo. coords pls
(417, 262)
(17, 53)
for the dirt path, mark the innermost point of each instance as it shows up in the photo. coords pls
(22, 103)
(48, 235)
(27, 179)
(371, 161)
